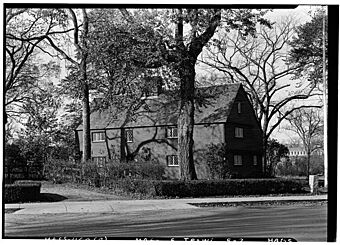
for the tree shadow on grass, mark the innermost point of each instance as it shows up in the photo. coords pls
(51, 197)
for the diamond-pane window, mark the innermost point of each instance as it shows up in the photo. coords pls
(129, 135)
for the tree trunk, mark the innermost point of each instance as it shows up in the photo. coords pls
(186, 120)
(122, 145)
(265, 158)
(308, 163)
(85, 93)
(76, 150)
(107, 146)
(86, 124)
(86, 111)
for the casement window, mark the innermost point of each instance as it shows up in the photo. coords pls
(239, 107)
(99, 161)
(129, 135)
(172, 160)
(255, 160)
(238, 132)
(172, 132)
(98, 137)
(237, 160)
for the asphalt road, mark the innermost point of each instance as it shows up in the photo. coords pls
(301, 222)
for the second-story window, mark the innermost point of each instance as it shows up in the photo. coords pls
(238, 132)
(129, 135)
(172, 132)
(98, 137)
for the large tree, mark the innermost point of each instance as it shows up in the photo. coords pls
(307, 48)
(25, 33)
(177, 38)
(78, 59)
(308, 125)
(259, 63)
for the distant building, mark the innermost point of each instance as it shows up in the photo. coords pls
(225, 115)
(301, 152)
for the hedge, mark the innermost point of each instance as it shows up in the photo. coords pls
(24, 191)
(202, 188)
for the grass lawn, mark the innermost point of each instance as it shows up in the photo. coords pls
(76, 192)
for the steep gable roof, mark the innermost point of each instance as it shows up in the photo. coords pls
(213, 105)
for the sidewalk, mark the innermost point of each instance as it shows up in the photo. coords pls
(125, 206)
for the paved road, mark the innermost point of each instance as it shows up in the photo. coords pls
(302, 222)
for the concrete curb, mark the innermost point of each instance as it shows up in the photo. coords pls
(125, 206)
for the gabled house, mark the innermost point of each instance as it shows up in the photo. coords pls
(223, 114)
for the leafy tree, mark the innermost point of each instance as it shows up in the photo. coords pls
(308, 125)
(259, 63)
(307, 49)
(275, 152)
(26, 30)
(79, 21)
(177, 49)
(39, 130)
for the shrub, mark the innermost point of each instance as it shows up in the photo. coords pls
(149, 170)
(135, 186)
(22, 192)
(60, 171)
(200, 188)
(215, 158)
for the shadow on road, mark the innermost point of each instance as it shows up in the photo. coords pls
(51, 197)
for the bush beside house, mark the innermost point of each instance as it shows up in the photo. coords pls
(23, 191)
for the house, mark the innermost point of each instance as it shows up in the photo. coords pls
(223, 114)
(301, 152)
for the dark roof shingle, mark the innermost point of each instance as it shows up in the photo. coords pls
(214, 107)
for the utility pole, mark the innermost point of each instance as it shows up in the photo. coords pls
(325, 106)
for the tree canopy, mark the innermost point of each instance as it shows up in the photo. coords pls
(307, 49)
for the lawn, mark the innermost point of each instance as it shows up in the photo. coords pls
(76, 192)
